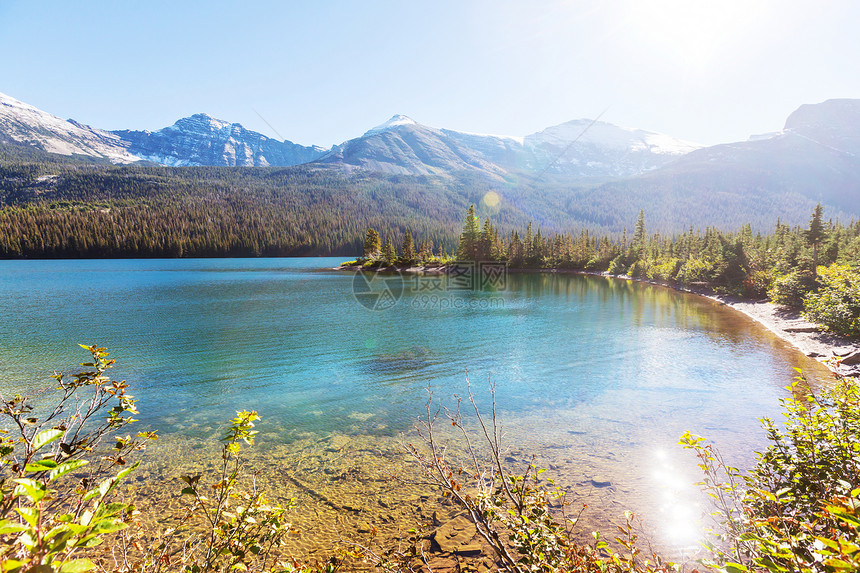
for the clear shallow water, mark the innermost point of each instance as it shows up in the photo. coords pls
(596, 376)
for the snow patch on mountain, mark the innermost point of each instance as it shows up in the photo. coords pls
(396, 120)
(764, 136)
(202, 122)
(515, 138)
(29, 125)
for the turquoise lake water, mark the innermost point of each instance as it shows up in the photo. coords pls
(583, 365)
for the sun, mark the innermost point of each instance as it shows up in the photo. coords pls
(693, 32)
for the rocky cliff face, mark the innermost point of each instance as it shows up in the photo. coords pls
(204, 140)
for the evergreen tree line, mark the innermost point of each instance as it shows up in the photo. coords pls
(740, 261)
(64, 208)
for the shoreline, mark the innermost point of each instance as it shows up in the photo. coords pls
(839, 354)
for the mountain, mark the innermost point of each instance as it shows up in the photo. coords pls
(834, 123)
(593, 174)
(584, 148)
(815, 158)
(196, 140)
(203, 140)
(404, 147)
(24, 125)
(578, 150)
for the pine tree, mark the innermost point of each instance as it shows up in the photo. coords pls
(371, 243)
(470, 238)
(528, 243)
(388, 252)
(408, 249)
(815, 234)
(639, 235)
(486, 243)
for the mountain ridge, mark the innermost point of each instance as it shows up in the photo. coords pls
(581, 149)
(607, 173)
(201, 139)
(398, 146)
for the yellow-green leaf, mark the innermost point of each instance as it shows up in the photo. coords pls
(45, 437)
(77, 566)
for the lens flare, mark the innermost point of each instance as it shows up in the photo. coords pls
(491, 200)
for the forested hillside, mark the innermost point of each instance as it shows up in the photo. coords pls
(67, 209)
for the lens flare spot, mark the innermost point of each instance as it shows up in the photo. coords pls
(492, 200)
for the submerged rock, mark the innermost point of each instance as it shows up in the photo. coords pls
(457, 536)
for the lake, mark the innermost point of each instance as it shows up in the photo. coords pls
(594, 377)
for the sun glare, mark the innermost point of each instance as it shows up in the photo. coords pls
(677, 499)
(695, 32)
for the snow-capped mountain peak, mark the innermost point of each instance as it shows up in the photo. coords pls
(201, 139)
(395, 121)
(579, 149)
(203, 123)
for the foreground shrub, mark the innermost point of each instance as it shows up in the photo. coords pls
(799, 508)
(695, 270)
(55, 496)
(789, 289)
(758, 283)
(639, 269)
(836, 304)
(665, 270)
(617, 266)
(58, 492)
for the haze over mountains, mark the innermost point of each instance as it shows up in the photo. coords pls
(578, 150)
(593, 173)
(815, 158)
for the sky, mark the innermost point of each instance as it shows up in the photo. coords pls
(321, 72)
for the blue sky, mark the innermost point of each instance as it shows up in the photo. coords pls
(323, 72)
